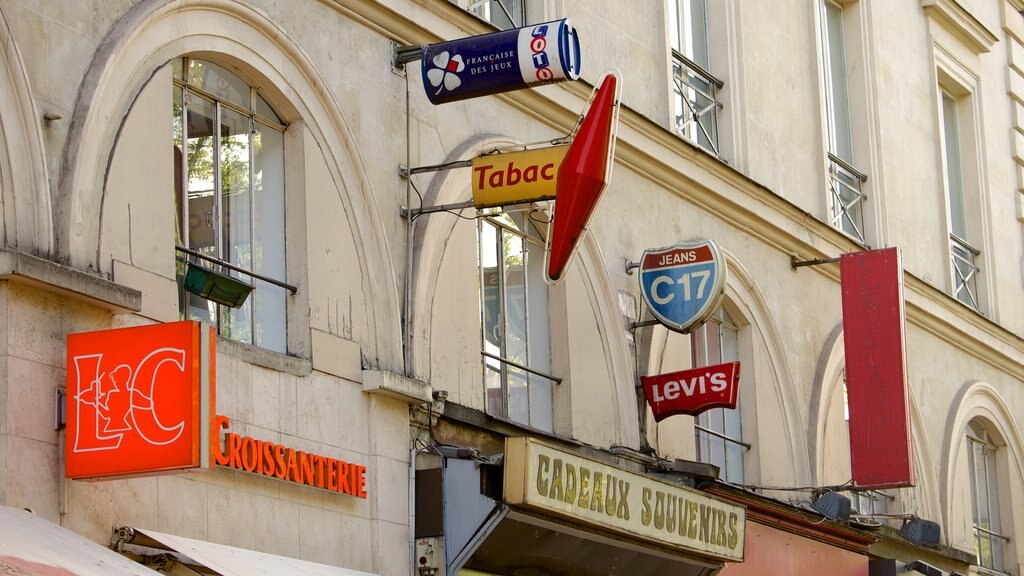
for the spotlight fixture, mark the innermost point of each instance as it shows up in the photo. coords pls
(216, 286)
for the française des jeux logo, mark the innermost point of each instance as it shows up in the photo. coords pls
(134, 400)
(683, 284)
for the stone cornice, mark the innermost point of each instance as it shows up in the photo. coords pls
(953, 17)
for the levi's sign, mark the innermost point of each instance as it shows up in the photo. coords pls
(683, 284)
(516, 177)
(692, 391)
(584, 491)
(139, 400)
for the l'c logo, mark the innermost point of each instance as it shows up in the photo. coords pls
(139, 400)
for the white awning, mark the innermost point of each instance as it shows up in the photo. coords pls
(33, 546)
(232, 561)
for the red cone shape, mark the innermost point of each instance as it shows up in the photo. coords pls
(582, 178)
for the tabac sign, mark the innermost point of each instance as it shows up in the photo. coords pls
(516, 177)
(692, 391)
(587, 492)
(139, 400)
(683, 284)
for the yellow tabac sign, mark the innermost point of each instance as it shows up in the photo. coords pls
(516, 177)
(545, 478)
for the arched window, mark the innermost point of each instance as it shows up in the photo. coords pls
(989, 536)
(229, 194)
(719, 431)
(514, 309)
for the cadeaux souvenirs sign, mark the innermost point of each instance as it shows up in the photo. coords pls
(589, 492)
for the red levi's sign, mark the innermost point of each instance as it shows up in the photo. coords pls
(692, 391)
(881, 454)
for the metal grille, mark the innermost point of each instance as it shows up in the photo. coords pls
(846, 200)
(696, 102)
(965, 271)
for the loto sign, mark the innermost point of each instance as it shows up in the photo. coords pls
(683, 284)
(692, 391)
(516, 177)
(140, 400)
(501, 61)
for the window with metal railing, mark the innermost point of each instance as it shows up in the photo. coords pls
(696, 102)
(964, 256)
(846, 200)
(694, 88)
(514, 308)
(963, 259)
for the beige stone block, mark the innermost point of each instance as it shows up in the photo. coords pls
(318, 408)
(387, 383)
(353, 543)
(1012, 22)
(182, 504)
(266, 398)
(35, 327)
(159, 293)
(234, 389)
(1018, 147)
(1016, 56)
(389, 429)
(231, 514)
(4, 472)
(31, 399)
(32, 476)
(388, 484)
(316, 527)
(393, 542)
(354, 418)
(1016, 82)
(276, 529)
(336, 356)
(289, 398)
(95, 508)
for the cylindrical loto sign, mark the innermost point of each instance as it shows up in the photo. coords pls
(501, 61)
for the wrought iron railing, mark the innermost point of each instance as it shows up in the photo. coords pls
(846, 199)
(965, 271)
(696, 102)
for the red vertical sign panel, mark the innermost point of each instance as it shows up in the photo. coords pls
(876, 374)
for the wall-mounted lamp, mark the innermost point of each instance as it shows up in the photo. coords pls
(921, 531)
(216, 286)
(833, 506)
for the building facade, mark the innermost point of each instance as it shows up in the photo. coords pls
(425, 345)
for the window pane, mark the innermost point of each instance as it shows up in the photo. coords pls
(838, 101)
(236, 203)
(219, 82)
(954, 175)
(697, 30)
(515, 298)
(269, 234)
(261, 107)
(518, 395)
(200, 198)
(491, 293)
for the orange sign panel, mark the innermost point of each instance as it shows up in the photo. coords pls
(140, 400)
(516, 177)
